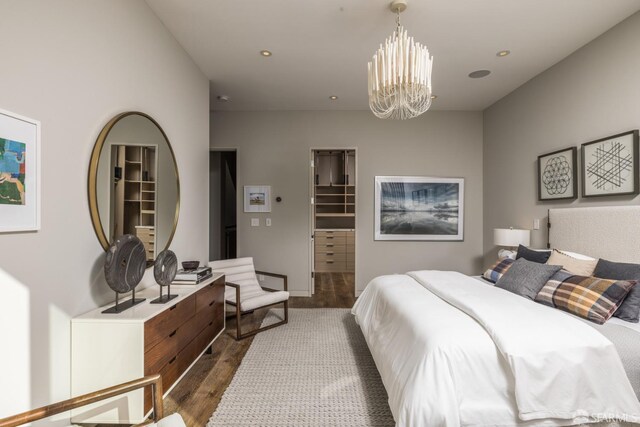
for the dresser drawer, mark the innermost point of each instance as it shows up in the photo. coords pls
(206, 297)
(158, 328)
(169, 373)
(160, 354)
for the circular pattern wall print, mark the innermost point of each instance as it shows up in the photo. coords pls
(556, 176)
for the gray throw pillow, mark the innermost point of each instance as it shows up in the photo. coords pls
(526, 278)
(629, 310)
(534, 256)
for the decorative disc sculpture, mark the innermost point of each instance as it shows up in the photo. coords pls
(164, 271)
(124, 267)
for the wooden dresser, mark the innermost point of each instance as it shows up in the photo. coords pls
(108, 349)
(334, 251)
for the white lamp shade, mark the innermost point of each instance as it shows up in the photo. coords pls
(511, 237)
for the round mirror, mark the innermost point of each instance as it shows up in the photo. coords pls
(134, 186)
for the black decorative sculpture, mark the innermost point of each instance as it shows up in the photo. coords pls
(124, 267)
(164, 271)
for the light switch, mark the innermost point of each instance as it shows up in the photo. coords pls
(536, 224)
(255, 222)
(267, 222)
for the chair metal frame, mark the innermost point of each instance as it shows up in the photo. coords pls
(155, 381)
(239, 335)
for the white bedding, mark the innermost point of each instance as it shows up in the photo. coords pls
(441, 366)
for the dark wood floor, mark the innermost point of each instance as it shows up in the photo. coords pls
(200, 391)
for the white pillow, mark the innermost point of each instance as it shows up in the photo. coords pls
(577, 255)
(580, 267)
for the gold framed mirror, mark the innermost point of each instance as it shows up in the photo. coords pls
(134, 186)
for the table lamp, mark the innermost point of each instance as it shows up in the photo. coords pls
(511, 238)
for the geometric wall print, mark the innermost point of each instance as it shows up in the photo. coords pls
(19, 173)
(610, 165)
(557, 175)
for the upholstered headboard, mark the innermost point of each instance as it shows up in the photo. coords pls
(610, 232)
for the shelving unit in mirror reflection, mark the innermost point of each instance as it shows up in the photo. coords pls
(134, 193)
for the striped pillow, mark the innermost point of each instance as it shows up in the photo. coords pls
(497, 270)
(587, 297)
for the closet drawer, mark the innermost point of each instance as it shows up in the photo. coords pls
(330, 265)
(330, 233)
(330, 248)
(325, 240)
(333, 257)
(351, 263)
(350, 237)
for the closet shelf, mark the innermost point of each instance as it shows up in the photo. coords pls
(335, 214)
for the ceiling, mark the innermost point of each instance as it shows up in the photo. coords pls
(321, 47)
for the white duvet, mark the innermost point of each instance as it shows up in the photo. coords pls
(453, 352)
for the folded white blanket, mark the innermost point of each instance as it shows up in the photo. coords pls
(562, 368)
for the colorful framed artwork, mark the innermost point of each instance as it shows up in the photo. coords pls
(19, 173)
(257, 198)
(558, 175)
(419, 208)
(610, 166)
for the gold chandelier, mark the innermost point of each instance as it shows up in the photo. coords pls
(400, 75)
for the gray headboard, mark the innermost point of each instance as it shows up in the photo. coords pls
(610, 232)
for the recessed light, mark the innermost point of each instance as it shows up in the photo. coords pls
(223, 98)
(434, 96)
(503, 53)
(478, 74)
(333, 97)
(265, 53)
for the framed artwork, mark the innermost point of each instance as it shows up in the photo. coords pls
(610, 165)
(257, 198)
(558, 175)
(419, 208)
(19, 173)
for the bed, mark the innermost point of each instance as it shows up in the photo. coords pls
(453, 350)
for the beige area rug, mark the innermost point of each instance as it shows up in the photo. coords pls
(315, 371)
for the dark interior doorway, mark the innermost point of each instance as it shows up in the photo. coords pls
(222, 205)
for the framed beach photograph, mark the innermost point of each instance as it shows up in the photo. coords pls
(19, 173)
(558, 175)
(610, 165)
(419, 208)
(257, 198)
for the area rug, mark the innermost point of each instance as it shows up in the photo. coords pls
(315, 371)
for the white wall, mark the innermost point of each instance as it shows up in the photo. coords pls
(73, 65)
(592, 94)
(274, 149)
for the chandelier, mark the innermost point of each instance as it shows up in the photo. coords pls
(400, 75)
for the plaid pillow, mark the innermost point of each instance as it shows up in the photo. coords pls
(497, 270)
(588, 297)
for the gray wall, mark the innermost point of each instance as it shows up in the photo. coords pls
(73, 65)
(593, 93)
(274, 149)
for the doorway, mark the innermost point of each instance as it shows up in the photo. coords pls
(222, 205)
(333, 223)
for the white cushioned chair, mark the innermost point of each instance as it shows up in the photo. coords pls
(243, 286)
